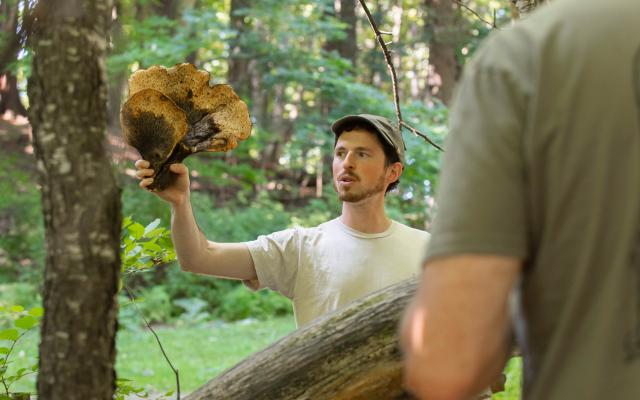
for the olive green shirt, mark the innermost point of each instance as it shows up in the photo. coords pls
(542, 163)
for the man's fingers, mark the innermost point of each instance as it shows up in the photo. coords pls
(145, 182)
(142, 164)
(178, 168)
(143, 173)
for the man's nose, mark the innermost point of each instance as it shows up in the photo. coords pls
(349, 161)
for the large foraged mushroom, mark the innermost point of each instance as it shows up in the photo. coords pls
(173, 112)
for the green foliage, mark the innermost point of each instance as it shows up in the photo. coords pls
(15, 322)
(240, 303)
(21, 225)
(143, 247)
(23, 293)
(125, 389)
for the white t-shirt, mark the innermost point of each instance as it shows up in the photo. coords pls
(323, 268)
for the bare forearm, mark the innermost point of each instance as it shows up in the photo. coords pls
(456, 333)
(197, 254)
(189, 242)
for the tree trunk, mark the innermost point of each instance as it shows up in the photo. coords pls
(238, 74)
(118, 80)
(167, 8)
(9, 34)
(11, 37)
(349, 354)
(345, 11)
(442, 26)
(524, 7)
(10, 95)
(80, 199)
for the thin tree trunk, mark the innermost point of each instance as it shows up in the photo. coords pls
(80, 200)
(11, 40)
(117, 81)
(238, 74)
(10, 95)
(167, 8)
(345, 11)
(442, 26)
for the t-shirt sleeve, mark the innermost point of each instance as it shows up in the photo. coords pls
(482, 193)
(276, 258)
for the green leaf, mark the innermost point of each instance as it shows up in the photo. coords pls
(17, 308)
(136, 230)
(153, 225)
(126, 222)
(4, 350)
(36, 312)
(157, 232)
(26, 322)
(152, 247)
(9, 334)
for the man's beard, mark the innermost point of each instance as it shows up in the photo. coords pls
(356, 196)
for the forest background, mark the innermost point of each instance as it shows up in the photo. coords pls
(299, 65)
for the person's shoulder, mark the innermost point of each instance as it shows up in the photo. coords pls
(407, 230)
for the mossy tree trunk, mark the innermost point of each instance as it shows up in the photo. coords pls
(80, 199)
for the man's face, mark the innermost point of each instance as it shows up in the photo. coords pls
(359, 170)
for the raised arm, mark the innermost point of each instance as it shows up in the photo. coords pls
(195, 253)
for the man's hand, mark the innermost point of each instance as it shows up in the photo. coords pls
(176, 194)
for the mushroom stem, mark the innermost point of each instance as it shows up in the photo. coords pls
(164, 177)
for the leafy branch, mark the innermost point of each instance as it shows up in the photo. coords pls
(394, 78)
(144, 247)
(22, 323)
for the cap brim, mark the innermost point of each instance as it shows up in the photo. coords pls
(336, 127)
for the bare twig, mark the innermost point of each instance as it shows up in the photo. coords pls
(175, 371)
(394, 78)
(474, 12)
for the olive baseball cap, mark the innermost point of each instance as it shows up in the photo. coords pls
(387, 130)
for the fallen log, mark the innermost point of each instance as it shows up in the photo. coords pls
(350, 354)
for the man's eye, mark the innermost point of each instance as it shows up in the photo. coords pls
(363, 154)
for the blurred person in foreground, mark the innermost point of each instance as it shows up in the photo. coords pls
(321, 268)
(537, 232)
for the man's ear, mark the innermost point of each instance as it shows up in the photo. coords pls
(394, 171)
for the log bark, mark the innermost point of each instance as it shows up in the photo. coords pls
(80, 199)
(350, 354)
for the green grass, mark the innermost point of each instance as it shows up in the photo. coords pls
(199, 352)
